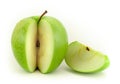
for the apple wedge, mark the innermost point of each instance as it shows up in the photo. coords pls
(39, 42)
(24, 43)
(53, 44)
(84, 59)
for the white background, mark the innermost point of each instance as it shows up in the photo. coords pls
(93, 22)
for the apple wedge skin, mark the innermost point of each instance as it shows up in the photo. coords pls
(75, 46)
(24, 32)
(57, 37)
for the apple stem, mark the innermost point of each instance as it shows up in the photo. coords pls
(42, 15)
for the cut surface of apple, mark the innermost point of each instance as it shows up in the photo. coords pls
(39, 42)
(84, 59)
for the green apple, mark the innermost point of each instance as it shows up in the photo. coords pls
(39, 42)
(82, 58)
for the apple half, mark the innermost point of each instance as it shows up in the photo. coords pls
(82, 58)
(39, 42)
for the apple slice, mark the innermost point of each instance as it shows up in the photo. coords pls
(84, 59)
(53, 44)
(24, 43)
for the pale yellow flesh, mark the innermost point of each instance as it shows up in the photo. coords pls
(45, 51)
(91, 64)
(31, 46)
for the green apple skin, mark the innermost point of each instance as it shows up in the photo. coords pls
(24, 39)
(53, 44)
(84, 59)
